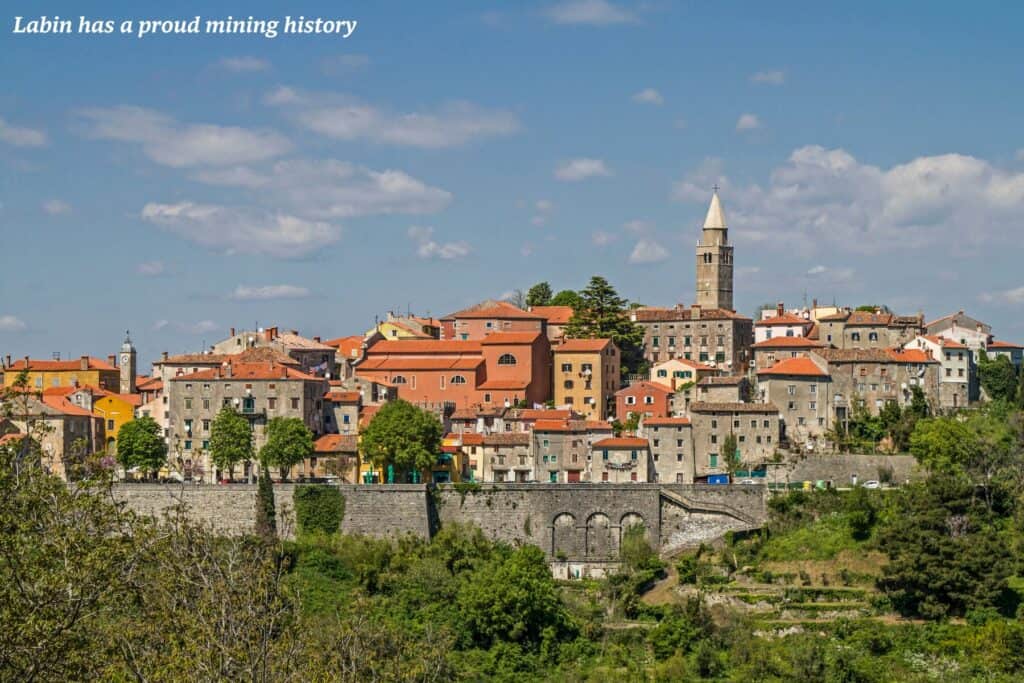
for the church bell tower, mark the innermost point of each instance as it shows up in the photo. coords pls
(126, 364)
(714, 260)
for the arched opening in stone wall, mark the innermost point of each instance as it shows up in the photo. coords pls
(564, 537)
(602, 541)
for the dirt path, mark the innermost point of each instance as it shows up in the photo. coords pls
(663, 592)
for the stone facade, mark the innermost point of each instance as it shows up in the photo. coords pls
(877, 376)
(708, 336)
(755, 425)
(671, 440)
(714, 260)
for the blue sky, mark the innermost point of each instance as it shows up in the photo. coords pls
(452, 151)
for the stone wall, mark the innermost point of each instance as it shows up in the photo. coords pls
(839, 468)
(387, 510)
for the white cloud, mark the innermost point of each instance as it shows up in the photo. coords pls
(649, 96)
(20, 136)
(748, 122)
(237, 230)
(697, 185)
(581, 169)
(589, 12)
(244, 64)
(817, 270)
(821, 199)
(331, 189)
(56, 207)
(1013, 297)
(268, 292)
(150, 268)
(200, 327)
(601, 238)
(344, 118)
(832, 275)
(428, 248)
(9, 323)
(169, 143)
(774, 77)
(648, 251)
(636, 226)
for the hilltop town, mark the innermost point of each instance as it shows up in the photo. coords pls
(567, 388)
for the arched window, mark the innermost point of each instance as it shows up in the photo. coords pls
(398, 379)
(507, 359)
(458, 379)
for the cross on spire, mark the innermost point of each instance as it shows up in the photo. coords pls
(715, 188)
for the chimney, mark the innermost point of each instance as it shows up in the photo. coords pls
(271, 333)
(295, 332)
(84, 362)
(232, 332)
(316, 339)
(695, 312)
(814, 304)
(112, 359)
(780, 308)
(163, 356)
(7, 364)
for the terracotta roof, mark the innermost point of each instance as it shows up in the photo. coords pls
(998, 344)
(665, 421)
(243, 371)
(583, 346)
(493, 309)
(134, 399)
(62, 404)
(787, 343)
(597, 426)
(428, 322)
(259, 354)
(643, 385)
(422, 347)
(528, 414)
(59, 365)
(813, 332)
(841, 316)
(11, 438)
(944, 342)
(510, 338)
(721, 381)
(910, 356)
(350, 347)
(366, 414)
(472, 439)
(732, 407)
(622, 442)
(803, 367)
(507, 439)
(343, 396)
(867, 319)
(336, 443)
(555, 315)
(552, 426)
(420, 363)
(682, 314)
(784, 319)
(149, 384)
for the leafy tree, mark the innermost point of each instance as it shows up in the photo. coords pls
(730, 446)
(141, 444)
(943, 444)
(539, 295)
(603, 314)
(946, 556)
(266, 511)
(402, 435)
(318, 508)
(566, 297)
(289, 442)
(230, 440)
(861, 513)
(998, 377)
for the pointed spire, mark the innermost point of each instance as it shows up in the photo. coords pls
(716, 216)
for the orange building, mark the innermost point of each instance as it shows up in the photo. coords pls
(587, 376)
(488, 317)
(44, 374)
(504, 367)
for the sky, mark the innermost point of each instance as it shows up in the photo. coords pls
(448, 152)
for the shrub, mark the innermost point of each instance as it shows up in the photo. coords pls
(318, 508)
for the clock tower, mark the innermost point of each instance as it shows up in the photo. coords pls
(126, 363)
(714, 260)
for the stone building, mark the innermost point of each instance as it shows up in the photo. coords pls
(498, 457)
(782, 324)
(958, 374)
(723, 389)
(868, 329)
(259, 391)
(755, 425)
(621, 459)
(561, 448)
(714, 337)
(802, 389)
(586, 376)
(64, 432)
(714, 260)
(335, 456)
(876, 376)
(313, 356)
(770, 351)
(671, 443)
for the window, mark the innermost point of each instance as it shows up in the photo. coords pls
(206, 404)
(632, 455)
(568, 384)
(654, 342)
(458, 379)
(649, 400)
(855, 336)
(604, 476)
(553, 477)
(714, 424)
(110, 424)
(206, 425)
(188, 402)
(586, 368)
(679, 443)
(813, 405)
(630, 400)
(657, 442)
(872, 336)
(713, 460)
(813, 389)
(679, 457)
(188, 444)
(714, 438)
(662, 373)
(507, 359)
(791, 390)
(295, 404)
(271, 403)
(398, 379)
(604, 455)
(566, 367)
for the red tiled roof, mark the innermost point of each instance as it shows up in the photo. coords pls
(501, 310)
(784, 319)
(243, 371)
(366, 414)
(343, 396)
(336, 443)
(472, 439)
(687, 362)
(910, 356)
(552, 426)
(803, 367)
(350, 347)
(787, 343)
(149, 384)
(622, 442)
(944, 342)
(540, 414)
(555, 315)
(665, 421)
(874, 356)
(641, 386)
(998, 344)
(597, 425)
(583, 346)
(62, 404)
(510, 338)
(867, 319)
(35, 365)
(11, 438)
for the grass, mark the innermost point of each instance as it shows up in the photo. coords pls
(822, 539)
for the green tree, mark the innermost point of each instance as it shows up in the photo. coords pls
(998, 377)
(539, 295)
(266, 511)
(230, 440)
(603, 314)
(566, 297)
(730, 454)
(404, 436)
(141, 444)
(943, 444)
(289, 442)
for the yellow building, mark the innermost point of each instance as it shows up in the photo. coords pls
(115, 410)
(46, 374)
(586, 376)
(410, 327)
